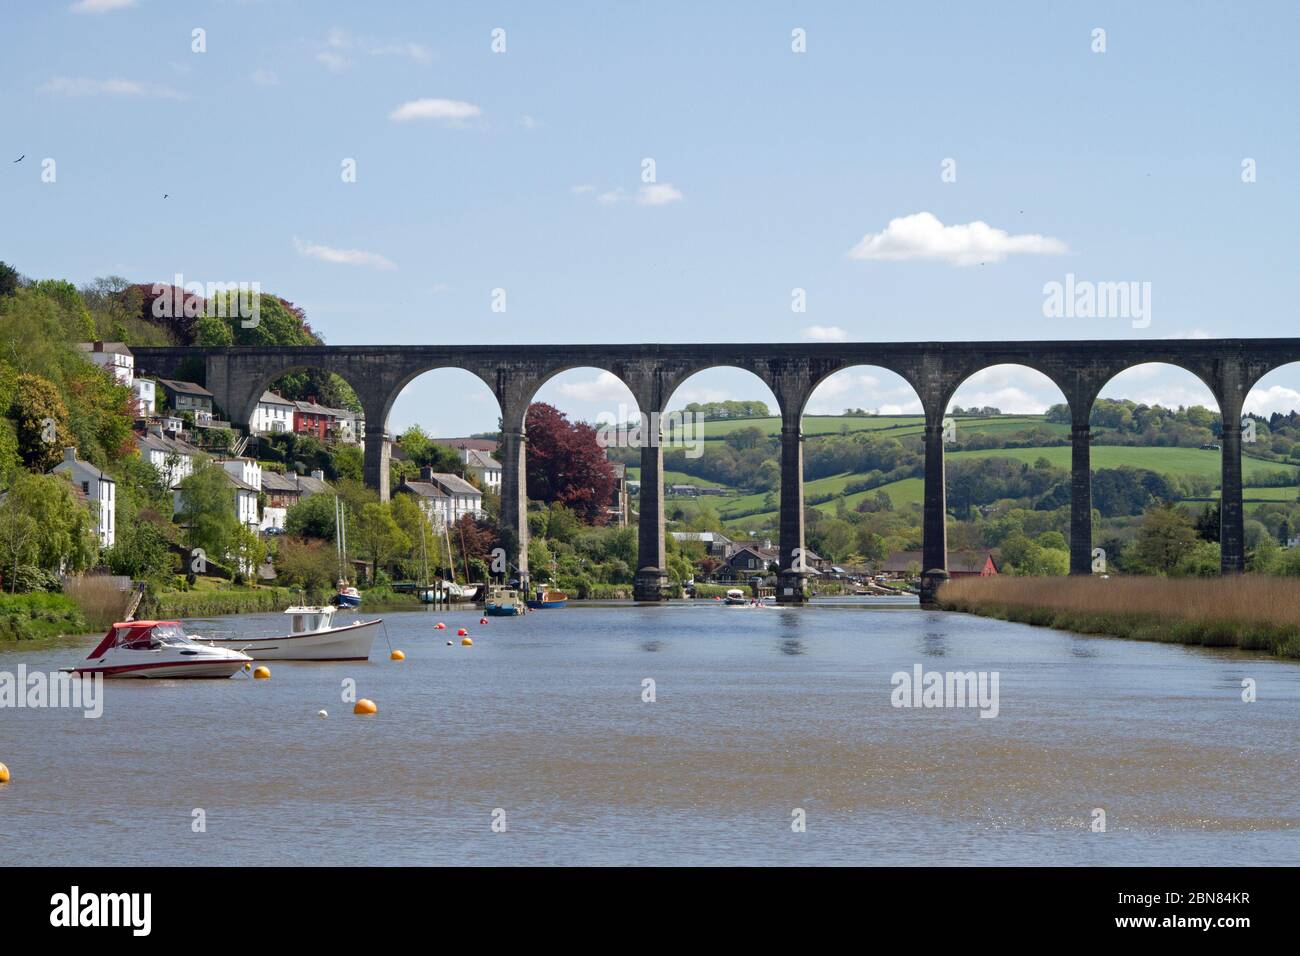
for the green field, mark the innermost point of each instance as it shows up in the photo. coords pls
(895, 426)
(909, 491)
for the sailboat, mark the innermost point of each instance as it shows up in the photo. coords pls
(427, 595)
(347, 596)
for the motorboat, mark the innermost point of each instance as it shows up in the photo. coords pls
(313, 636)
(347, 596)
(159, 649)
(736, 596)
(503, 602)
(546, 598)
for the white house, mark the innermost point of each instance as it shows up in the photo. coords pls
(433, 501)
(462, 497)
(483, 467)
(97, 488)
(246, 476)
(272, 415)
(146, 395)
(174, 459)
(349, 426)
(115, 357)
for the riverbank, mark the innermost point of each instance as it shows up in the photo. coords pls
(38, 617)
(1247, 612)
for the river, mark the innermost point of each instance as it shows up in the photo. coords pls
(760, 719)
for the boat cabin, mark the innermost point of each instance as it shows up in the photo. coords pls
(141, 635)
(307, 620)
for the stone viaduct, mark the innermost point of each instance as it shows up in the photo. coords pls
(237, 377)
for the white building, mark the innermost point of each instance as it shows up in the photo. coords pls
(97, 488)
(349, 426)
(272, 415)
(146, 395)
(115, 357)
(174, 459)
(483, 467)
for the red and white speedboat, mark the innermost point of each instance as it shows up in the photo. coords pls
(158, 649)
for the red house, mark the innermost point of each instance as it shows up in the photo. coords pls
(961, 564)
(312, 419)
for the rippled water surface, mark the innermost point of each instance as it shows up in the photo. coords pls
(757, 713)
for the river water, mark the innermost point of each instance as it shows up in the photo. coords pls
(757, 715)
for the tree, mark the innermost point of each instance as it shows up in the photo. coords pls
(140, 551)
(65, 540)
(311, 517)
(566, 464)
(307, 564)
(9, 279)
(208, 511)
(1165, 538)
(377, 535)
(41, 422)
(18, 540)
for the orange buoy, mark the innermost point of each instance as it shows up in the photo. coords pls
(365, 706)
(4, 773)
(466, 642)
(397, 656)
(262, 673)
(462, 632)
(482, 620)
(440, 626)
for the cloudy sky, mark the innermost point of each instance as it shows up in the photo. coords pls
(681, 174)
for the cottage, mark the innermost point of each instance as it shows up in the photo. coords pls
(312, 419)
(272, 415)
(283, 491)
(97, 488)
(445, 498)
(716, 544)
(485, 468)
(961, 564)
(146, 396)
(113, 357)
(173, 458)
(184, 397)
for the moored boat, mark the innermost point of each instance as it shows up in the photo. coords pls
(736, 596)
(546, 598)
(503, 602)
(313, 636)
(158, 649)
(348, 597)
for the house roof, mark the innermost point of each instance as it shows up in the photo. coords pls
(238, 482)
(422, 488)
(278, 482)
(477, 458)
(311, 408)
(270, 398)
(963, 562)
(184, 388)
(711, 537)
(454, 484)
(72, 463)
(481, 444)
(170, 446)
(110, 348)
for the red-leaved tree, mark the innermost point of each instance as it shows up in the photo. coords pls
(567, 464)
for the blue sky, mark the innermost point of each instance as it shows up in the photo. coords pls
(522, 171)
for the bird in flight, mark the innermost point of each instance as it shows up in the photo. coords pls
(164, 195)
(21, 158)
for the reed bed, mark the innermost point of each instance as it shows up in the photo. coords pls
(101, 598)
(1258, 613)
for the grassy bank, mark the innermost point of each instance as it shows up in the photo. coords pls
(1247, 612)
(39, 616)
(209, 603)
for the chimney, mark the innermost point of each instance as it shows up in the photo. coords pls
(70, 454)
(426, 473)
(98, 346)
(318, 474)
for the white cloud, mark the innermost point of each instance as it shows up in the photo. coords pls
(605, 387)
(826, 333)
(101, 6)
(922, 236)
(340, 39)
(886, 392)
(1274, 398)
(1015, 389)
(266, 78)
(583, 188)
(529, 122)
(658, 194)
(347, 257)
(435, 109)
(83, 86)
(651, 194)
(334, 62)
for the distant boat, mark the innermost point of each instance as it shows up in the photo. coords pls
(347, 596)
(503, 602)
(546, 598)
(736, 596)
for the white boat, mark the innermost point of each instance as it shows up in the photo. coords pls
(313, 636)
(736, 596)
(158, 649)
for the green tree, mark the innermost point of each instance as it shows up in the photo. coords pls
(65, 538)
(377, 536)
(41, 422)
(1165, 538)
(140, 552)
(306, 563)
(207, 510)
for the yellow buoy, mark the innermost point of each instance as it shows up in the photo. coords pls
(466, 642)
(365, 706)
(262, 673)
(397, 656)
(247, 666)
(4, 773)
